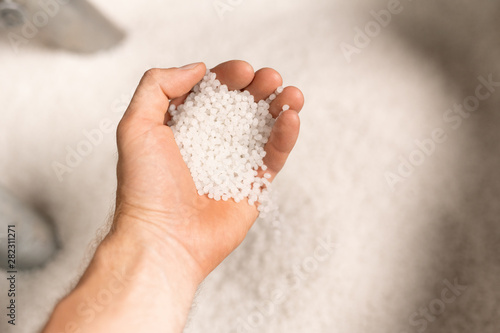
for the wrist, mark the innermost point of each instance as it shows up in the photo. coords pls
(152, 252)
(131, 279)
(156, 271)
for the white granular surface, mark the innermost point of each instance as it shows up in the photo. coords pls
(221, 135)
(394, 249)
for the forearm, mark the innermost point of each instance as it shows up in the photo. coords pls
(133, 284)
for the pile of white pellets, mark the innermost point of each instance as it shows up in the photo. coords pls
(221, 135)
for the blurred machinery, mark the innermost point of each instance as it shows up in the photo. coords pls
(31, 234)
(73, 25)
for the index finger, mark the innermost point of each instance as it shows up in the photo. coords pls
(235, 74)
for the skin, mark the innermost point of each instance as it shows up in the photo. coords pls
(165, 238)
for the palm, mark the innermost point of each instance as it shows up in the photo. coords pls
(155, 180)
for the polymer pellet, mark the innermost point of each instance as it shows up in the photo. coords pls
(221, 135)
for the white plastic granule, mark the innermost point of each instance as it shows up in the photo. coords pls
(221, 135)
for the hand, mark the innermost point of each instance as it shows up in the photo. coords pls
(156, 195)
(165, 237)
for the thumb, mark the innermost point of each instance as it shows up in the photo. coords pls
(151, 98)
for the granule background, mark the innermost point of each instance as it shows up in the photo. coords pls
(393, 249)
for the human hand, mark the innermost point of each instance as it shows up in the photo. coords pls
(156, 195)
(166, 238)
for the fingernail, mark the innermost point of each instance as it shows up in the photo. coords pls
(190, 66)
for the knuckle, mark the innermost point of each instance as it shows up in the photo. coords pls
(121, 128)
(152, 74)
